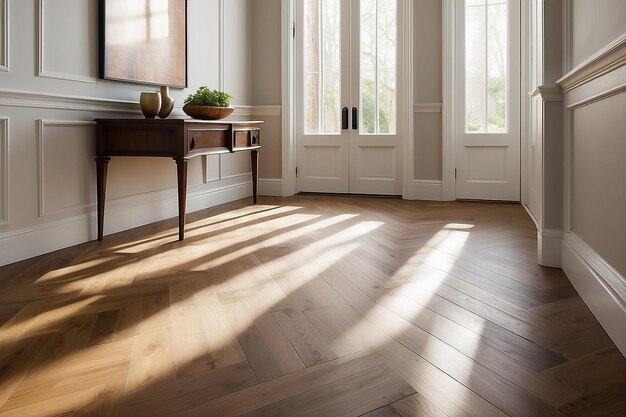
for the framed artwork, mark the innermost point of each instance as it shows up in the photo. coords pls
(144, 41)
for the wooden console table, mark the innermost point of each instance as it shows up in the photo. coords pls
(180, 139)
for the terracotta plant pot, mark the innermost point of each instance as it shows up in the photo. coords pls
(208, 112)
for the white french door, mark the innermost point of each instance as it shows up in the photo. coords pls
(487, 150)
(348, 76)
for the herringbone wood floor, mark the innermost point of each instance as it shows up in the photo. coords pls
(308, 306)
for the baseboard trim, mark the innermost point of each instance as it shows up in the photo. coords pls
(272, 187)
(549, 249)
(426, 190)
(588, 272)
(123, 215)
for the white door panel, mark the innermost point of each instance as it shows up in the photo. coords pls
(361, 153)
(488, 100)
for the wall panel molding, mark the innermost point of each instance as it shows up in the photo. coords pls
(548, 93)
(29, 99)
(42, 71)
(597, 97)
(4, 57)
(4, 169)
(607, 59)
(427, 107)
(41, 142)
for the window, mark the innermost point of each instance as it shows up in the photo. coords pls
(379, 37)
(322, 66)
(486, 66)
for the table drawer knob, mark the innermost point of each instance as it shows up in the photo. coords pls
(193, 143)
(254, 140)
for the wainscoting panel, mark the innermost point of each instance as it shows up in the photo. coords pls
(235, 165)
(211, 168)
(67, 177)
(598, 192)
(4, 172)
(595, 197)
(4, 35)
(68, 52)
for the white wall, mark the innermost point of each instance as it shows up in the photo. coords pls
(595, 23)
(267, 83)
(49, 97)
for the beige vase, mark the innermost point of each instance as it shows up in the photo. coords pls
(150, 104)
(167, 102)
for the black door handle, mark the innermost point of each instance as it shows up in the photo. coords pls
(355, 118)
(344, 118)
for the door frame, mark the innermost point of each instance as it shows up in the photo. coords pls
(449, 46)
(288, 111)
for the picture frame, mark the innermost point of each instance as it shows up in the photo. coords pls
(144, 42)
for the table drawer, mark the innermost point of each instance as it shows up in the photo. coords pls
(246, 138)
(200, 139)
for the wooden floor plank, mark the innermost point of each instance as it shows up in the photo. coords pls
(279, 389)
(348, 397)
(416, 405)
(268, 350)
(311, 305)
(305, 338)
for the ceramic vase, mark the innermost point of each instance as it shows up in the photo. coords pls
(150, 104)
(167, 102)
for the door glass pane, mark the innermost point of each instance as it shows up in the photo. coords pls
(322, 66)
(378, 62)
(486, 62)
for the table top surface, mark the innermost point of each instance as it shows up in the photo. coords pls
(177, 121)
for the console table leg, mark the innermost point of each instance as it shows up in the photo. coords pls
(255, 174)
(102, 163)
(181, 165)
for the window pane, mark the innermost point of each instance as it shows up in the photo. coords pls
(311, 65)
(378, 66)
(486, 60)
(497, 61)
(322, 66)
(387, 37)
(368, 101)
(312, 103)
(332, 65)
(475, 66)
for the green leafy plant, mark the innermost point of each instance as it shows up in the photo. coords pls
(206, 97)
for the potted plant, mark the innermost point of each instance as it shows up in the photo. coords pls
(208, 104)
